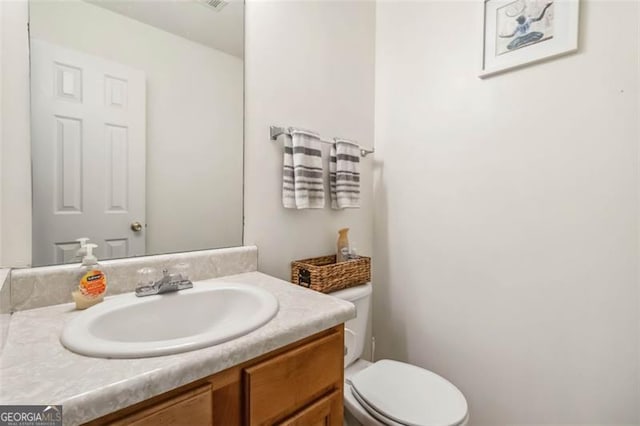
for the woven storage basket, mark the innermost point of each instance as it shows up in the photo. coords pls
(325, 275)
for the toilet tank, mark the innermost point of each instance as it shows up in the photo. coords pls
(355, 330)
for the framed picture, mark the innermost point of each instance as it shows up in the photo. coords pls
(522, 32)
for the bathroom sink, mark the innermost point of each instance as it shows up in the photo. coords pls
(127, 326)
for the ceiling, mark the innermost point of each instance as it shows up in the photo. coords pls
(190, 19)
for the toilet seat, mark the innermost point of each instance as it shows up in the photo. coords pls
(402, 394)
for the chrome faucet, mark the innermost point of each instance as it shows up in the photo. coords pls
(168, 283)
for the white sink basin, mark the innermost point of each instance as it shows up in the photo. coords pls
(127, 326)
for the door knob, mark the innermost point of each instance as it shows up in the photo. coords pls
(136, 227)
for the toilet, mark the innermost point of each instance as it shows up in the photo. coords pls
(389, 392)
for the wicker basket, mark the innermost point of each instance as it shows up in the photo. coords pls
(325, 275)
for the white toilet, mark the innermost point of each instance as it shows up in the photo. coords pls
(390, 392)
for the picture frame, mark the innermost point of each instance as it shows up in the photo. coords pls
(517, 33)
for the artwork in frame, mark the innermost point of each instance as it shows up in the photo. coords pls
(522, 32)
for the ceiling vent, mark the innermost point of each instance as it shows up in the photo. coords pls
(216, 5)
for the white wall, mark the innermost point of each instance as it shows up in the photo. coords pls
(194, 121)
(1, 136)
(308, 64)
(506, 215)
(15, 165)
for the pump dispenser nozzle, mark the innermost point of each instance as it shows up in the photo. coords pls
(82, 251)
(90, 258)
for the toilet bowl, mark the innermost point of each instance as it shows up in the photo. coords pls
(390, 392)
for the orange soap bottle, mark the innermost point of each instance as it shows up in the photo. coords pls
(93, 282)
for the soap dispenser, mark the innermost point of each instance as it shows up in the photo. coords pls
(92, 281)
(82, 251)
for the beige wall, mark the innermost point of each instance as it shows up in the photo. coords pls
(506, 215)
(308, 64)
(1, 135)
(15, 169)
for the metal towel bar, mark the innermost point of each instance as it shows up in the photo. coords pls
(275, 131)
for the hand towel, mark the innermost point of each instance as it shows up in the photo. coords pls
(332, 177)
(303, 172)
(344, 174)
(288, 176)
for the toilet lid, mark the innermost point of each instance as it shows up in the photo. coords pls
(409, 395)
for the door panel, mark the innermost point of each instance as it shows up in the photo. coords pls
(324, 412)
(88, 142)
(67, 186)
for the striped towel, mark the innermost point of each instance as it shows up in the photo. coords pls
(288, 177)
(302, 177)
(344, 174)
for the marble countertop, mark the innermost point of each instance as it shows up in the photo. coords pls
(36, 369)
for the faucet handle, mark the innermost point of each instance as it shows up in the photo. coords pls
(146, 277)
(182, 269)
(148, 284)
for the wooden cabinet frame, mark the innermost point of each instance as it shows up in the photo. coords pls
(294, 385)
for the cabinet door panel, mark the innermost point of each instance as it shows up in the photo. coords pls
(282, 385)
(327, 411)
(191, 408)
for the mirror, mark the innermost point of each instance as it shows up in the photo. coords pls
(136, 126)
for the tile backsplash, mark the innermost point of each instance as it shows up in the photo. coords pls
(50, 285)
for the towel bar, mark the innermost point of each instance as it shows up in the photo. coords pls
(275, 131)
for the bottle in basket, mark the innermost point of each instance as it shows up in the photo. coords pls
(343, 245)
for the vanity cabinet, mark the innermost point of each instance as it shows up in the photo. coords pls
(298, 385)
(192, 407)
(325, 411)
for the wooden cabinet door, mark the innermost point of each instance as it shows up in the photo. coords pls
(326, 411)
(280, 386)
(193, 408)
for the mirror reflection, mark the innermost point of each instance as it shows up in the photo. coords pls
(137, 126)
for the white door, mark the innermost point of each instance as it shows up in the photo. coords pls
(88, 136)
